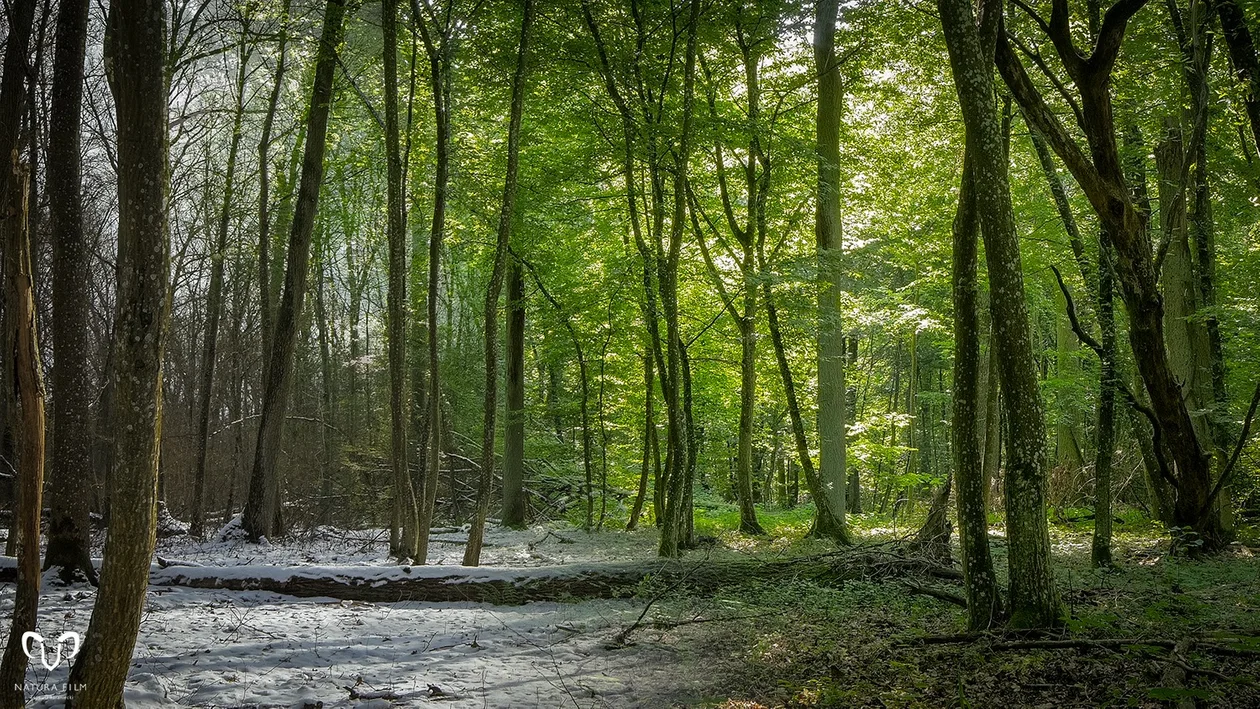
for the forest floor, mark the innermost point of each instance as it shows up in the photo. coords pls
(785, 643)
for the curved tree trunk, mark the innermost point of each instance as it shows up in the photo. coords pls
(1033, 598)
(261, 516)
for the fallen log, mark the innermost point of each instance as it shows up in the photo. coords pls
(517, 585)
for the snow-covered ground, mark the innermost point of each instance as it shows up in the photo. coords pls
(213, 648)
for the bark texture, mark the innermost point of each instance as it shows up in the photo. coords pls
(136, 47)
(1033, 598)
(828, 238)
(71, 471)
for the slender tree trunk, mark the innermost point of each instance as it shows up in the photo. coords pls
(1033, 597)
(135, 46)
(327, 465)
(69, 532)
(405, 511)
(266, 305)
(214, 299)
(828, 242)
(472, 552)
(1100, 553)
(984, 604)
(440, 60)
(673, 534)
(514, 425)
(262, 510)
(649, 425)
(823, 518)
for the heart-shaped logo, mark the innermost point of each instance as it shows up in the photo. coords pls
(28, 646)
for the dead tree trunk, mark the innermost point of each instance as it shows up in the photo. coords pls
(29, 385)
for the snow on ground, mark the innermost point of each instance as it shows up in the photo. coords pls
(213, 648)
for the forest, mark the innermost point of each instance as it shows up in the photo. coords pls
(630, 353)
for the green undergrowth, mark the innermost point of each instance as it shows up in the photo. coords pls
(796, 644)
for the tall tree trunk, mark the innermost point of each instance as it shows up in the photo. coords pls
(214, 299)
(28, 384)
(979, 580)
(261, 516)
(69, 533)
(514, 425)
(135, 47)
(673, 534)
(1034, 599)
(828, 242)
(472, 552)
(440, 59)
(327, 464)
(405, 511)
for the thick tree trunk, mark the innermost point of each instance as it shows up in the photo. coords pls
(405, 511)
(214, 299)
(1033, 597)
(135, 45)
(828, 242)
(261, 516)
(28, 384)
(71, 472)
(472, 552)
(1102, 179)
(514, 409)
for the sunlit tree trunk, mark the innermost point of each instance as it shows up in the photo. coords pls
(472, 552)
(828, 241)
